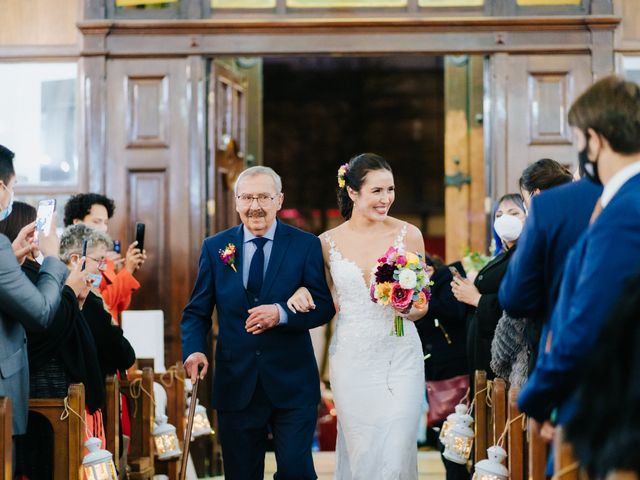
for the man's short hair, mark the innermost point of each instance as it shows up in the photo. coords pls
(611, 107)
(73, 237)
(259, 170)
(6, 164)
(79, 206)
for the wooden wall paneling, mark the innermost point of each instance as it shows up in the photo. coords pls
(477, 162)
(92, 73)
(627, 35)
(541, 91)
(456, 155)
(148, 167)
(39, 22)
(496, 122)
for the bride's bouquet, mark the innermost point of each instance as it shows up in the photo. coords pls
(402, 282)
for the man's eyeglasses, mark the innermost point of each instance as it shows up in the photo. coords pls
(263, 199)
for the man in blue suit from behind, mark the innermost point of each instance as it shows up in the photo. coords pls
(266, 375)
(606, 120)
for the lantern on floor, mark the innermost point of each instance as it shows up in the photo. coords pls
(452, 419)
(492, 468)
(201, 425)
(459, 440)
(166, 440)
(98, 463)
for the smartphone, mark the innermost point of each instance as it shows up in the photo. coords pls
(454, 271)
(140, 236)
(84, 255)
(44, 216)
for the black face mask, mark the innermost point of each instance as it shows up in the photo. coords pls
(588, 168)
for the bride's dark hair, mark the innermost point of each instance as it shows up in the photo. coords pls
(356, 171)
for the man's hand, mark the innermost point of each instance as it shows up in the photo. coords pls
(49, 245)
(546, 431)
(134, 258)
(262, 318)
(191, 366)
(23, 244)
(117, 260)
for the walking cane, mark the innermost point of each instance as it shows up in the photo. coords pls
(187, 435)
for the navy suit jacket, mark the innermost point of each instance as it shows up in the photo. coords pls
(556, 220)
(281, 357)
(596, 270)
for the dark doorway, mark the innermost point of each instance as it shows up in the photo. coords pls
(320, 111)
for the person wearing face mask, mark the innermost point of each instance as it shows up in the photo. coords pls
(23, 305)
(606, 121)
(118, 284)
(481, 295)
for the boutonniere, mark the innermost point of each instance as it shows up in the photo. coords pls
(228, 256)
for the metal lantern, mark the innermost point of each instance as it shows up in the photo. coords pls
(201, 425)
(98, 463)
(492, 468)
(166, 440)
(459, 440)
(452, 419)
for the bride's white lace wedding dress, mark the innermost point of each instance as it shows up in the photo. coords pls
(377, 380)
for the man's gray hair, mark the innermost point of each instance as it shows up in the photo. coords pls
(259, 170)
(73, 238)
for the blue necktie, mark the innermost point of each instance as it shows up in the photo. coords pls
(256, 270)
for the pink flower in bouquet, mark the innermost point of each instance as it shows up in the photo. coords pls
(401, 260)
(401, 297)
(390, 256)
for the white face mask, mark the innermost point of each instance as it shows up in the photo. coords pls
(508, 227)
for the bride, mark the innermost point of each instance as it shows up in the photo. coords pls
(377, 379)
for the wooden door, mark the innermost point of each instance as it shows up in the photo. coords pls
(227, 143)
(465, 218)
(147, 174)
(531, 96)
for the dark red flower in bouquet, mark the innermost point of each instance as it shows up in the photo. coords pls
(401, 297)
(384, 273)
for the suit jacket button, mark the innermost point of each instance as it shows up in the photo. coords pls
(255, 299)
(480, 277)
(258, 353)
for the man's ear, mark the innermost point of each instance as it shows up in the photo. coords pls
(76, 221)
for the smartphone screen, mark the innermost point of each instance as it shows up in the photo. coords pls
(84, 255)
(454, 271)
(44, 217)
(140, 235)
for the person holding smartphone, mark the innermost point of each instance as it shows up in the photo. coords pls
(119, 283)
(22, 304)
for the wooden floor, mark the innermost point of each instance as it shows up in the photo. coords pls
(429, 466)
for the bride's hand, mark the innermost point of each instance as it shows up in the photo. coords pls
(301, 301)
(416, 312)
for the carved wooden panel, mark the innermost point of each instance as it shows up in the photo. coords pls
(147, 174)
(147, 112)
(549, 95)
(148, 204)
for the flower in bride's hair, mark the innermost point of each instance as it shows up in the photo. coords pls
(342, 171)
(384, 273)
(407, 279)
(401, 297)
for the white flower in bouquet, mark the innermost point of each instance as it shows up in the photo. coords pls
(407, 279)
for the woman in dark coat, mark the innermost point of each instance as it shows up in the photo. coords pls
(482, 295)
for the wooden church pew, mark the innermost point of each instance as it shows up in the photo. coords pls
(68, 434)
(515, 439)
(480, 416)
(498, 409)
(565, 466)
(173, 382)
(112, 415)
(6, 442)
(141, 415)
(536, 453)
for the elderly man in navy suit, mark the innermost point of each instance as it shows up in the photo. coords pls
(606, 120)
(266, 375)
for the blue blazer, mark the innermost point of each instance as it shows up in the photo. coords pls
(556, 220)
(282, 357)
(596, 270)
